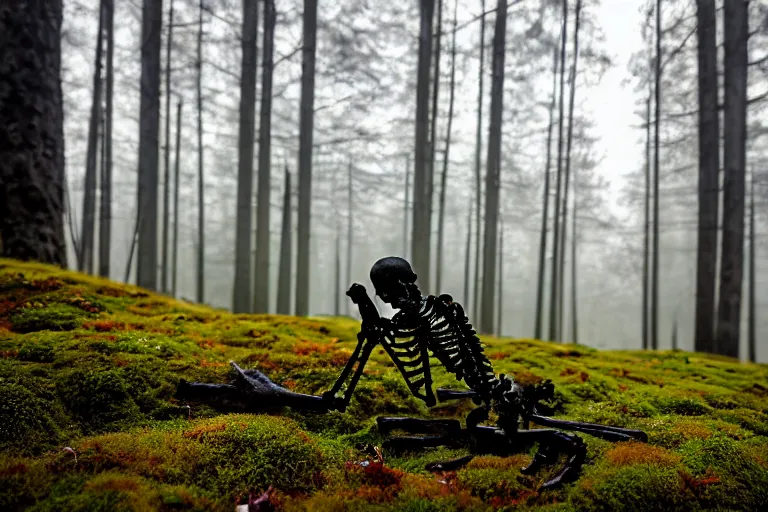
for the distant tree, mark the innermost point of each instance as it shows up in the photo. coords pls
(286, 260)
(149, 127)
(736, 34)
(167, 151)
(479, 164)
(306, 127)
(654, 338)
(32, 132)
(88, 230)
(200, 274)
(752, 313)
(261, 290)
(105, 202)
(242, 288)
(493, 169)
(176, 174)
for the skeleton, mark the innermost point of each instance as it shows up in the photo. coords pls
(427, 325)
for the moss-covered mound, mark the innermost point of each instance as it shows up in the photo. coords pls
(88, 369)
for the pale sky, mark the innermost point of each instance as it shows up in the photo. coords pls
(613, 104)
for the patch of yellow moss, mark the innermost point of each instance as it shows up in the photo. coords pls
(92, 365)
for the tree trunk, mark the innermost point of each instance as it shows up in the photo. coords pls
(88, 231)
(709, 179)
(149, 126)
(350, 230)
(567, 177)
(468, 251)
(430, 188)
(494, 167)
(655, 250)
(574, 275)
(537, 328)
(263, 222)
(32, 130)
(647, 217)
(284, 278)
(444, 175)
(420, 241)
(500, 310)
(241, 301)
(752, 313)
(305, 156)
(405, 205)
(554, 280)
(167, 149)
(337, 274)
(105, 203)
(176, 187)
(479, 165)
(736, 30)
(200, 167)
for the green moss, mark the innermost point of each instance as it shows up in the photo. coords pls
(93, 365)
(25, 421)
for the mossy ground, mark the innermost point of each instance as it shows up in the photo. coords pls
(92, 365)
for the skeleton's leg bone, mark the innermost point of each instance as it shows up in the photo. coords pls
(595, 429)
(417, 425)
(576, 451)
(444, 395)
(449, 465)
(415, 443)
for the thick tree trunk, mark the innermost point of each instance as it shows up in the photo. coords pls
(479, 165)
(655, 251)
(444, 175)
(305, 156)
(736, 30)
(149, 126)
(554, 279)
(200, 166)
(420, 241)
(500, 286)
(709, 183)
(167, 150)
(492, 176)
(32, 132)
(241, 301)
(88, 231)
(435, 111)
(263, 222)
(105, 204)
(537, 328)
(176, 173)
(286, 260)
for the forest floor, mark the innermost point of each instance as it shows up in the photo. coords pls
(88, 369)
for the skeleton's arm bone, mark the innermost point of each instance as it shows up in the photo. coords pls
(367, 339)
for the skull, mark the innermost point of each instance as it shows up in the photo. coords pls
(394, 281)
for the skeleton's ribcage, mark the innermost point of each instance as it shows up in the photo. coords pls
(455, 346)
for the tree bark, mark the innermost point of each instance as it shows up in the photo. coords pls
(655, 251)
(537, 329)
(567, 177)
(350, 229)
(405, 205)
(241, 301)
(167, 149)
(554, 280)
(468, 251)
(494, 167)
(420, 241)
(500, 286)
(200, 166)
(88, 231)
(176, 173)
(647, 219)
(709, 179)
(305, 156)
(31, 132)
(263, 223)
(286, 242)
(444, 175)
(479, 165)
(149, 126)
(105, 204)
(736, 30)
